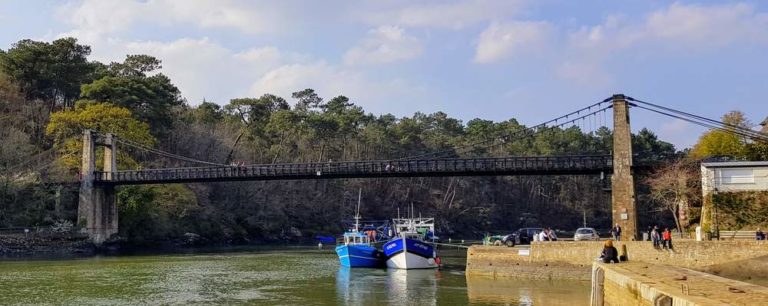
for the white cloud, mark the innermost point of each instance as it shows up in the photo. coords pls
(711, 26)
(378, 96)
(443, 14)
(504, 40)
(384, 44)
(677, 30)
(204, 69)
(201, 68)
(679, 26)
(109, 16)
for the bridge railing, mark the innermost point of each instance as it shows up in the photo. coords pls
(381, 168)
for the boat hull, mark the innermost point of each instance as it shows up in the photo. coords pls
(406, 253)
(360, 256)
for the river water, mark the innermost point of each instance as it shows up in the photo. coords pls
(263, 277)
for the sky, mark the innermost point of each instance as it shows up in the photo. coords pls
(532, 60)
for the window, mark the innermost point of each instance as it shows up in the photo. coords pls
(737, 176)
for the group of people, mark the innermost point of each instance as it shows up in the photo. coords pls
(547, 234)
(660, 239)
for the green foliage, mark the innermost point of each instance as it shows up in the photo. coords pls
(150, 98)
(718, 143)
(741, 210)
(154, 212)
(650, 147)
(66, 128)
(757, 150)
(715, 143)
(51, 72)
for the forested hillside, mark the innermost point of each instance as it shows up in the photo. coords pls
(50, 92)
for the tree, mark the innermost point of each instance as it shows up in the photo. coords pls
(676, 186)
(254, 114)
(52, 72)
(308, 99)
(149, 98)
(723, 143)
(208, 113)
(66, 128)
(647, 146)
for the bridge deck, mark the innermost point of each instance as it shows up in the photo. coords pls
(551, 165)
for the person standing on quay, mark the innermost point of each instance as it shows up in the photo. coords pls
(616, 231)
(667, 236)
(655, 237)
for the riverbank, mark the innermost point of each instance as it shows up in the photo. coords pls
(23, 247)
(34, 246)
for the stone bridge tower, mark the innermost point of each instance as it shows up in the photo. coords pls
(96, 209)
(623, 207)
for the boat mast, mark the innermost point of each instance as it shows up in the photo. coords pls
(357, 214)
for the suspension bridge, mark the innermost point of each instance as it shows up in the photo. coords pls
(97, 207)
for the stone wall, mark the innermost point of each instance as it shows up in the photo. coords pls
(644, 284)
(573, 260)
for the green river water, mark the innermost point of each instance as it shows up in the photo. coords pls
(262, 277)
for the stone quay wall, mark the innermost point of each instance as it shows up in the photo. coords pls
(637, 283)
(573, 260)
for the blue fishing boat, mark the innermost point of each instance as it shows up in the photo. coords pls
(356, 248)
(411, 248)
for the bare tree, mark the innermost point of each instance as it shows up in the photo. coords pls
(676, 187)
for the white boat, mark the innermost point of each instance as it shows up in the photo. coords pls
(411, 247)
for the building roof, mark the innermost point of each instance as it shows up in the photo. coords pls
(735, 164)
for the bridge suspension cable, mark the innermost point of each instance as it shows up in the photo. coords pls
(30, 160)
(533, 130)
(700, 120)
(140, 146)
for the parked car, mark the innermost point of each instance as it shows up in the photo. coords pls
(521, 236)
(585, 233)
(496, 240)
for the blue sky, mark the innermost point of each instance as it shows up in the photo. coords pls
(493, 59)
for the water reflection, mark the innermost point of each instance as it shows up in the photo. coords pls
(529, 292)
(393, 286)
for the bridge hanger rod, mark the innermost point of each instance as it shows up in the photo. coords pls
(523, 130)
(28, 160)
(163, 153)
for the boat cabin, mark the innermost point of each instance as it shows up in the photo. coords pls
(356, 238)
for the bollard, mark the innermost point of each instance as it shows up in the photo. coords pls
(623, 256)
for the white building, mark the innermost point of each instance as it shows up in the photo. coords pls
(734, 176)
